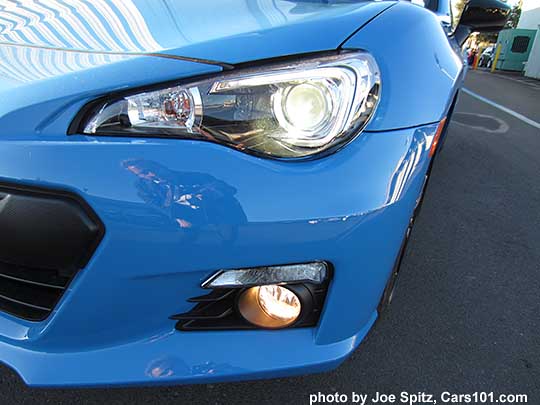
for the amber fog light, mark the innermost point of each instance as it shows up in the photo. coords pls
(270, 306)
(270, 297)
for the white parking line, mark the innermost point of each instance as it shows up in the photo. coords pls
(502, 108)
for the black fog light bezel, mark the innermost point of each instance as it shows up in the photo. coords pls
(218, 310)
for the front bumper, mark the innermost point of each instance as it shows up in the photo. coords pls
(174, 212)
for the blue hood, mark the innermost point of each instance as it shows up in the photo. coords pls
(229, 31)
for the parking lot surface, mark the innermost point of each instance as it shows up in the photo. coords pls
(466, 314)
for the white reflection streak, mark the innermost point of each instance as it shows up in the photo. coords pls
(137, 24)
(270, 11)
(34, 20)
(18, 24)
(12, 35)
(406, 167)
(99, 25)
(30, 64)
(49, 62)
(119, 30)
(7, 70)
(76, 22)
(27, 68)
(49, 22)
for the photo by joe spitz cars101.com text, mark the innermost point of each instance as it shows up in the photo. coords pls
(213, 191)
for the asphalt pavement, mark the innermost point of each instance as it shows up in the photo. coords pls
(466, 314)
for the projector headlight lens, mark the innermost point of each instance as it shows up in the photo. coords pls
(289, 110)
(303, 107)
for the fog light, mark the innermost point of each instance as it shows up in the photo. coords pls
(270, 306)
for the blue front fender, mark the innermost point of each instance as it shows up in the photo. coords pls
(421, 70)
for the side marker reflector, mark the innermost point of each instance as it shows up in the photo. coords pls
(437, 137)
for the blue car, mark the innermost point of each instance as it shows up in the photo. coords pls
(214, 190)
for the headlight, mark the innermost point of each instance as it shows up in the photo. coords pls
(287, 110)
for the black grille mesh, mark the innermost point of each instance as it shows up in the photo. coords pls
(46, 237)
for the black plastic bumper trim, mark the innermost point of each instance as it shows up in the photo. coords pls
(47, 236)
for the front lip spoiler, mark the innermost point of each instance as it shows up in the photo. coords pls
(152, 367)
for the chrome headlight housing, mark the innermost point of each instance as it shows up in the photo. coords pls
(284, 110)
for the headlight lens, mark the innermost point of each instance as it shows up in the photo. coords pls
(282, 110)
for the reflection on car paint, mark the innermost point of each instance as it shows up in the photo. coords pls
(419, 146)
(23, 64)
(191, 199)
(110, 26)
(170, 365)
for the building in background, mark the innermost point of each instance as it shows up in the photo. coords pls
(530, 20)
(519, 43)
(516, 45)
